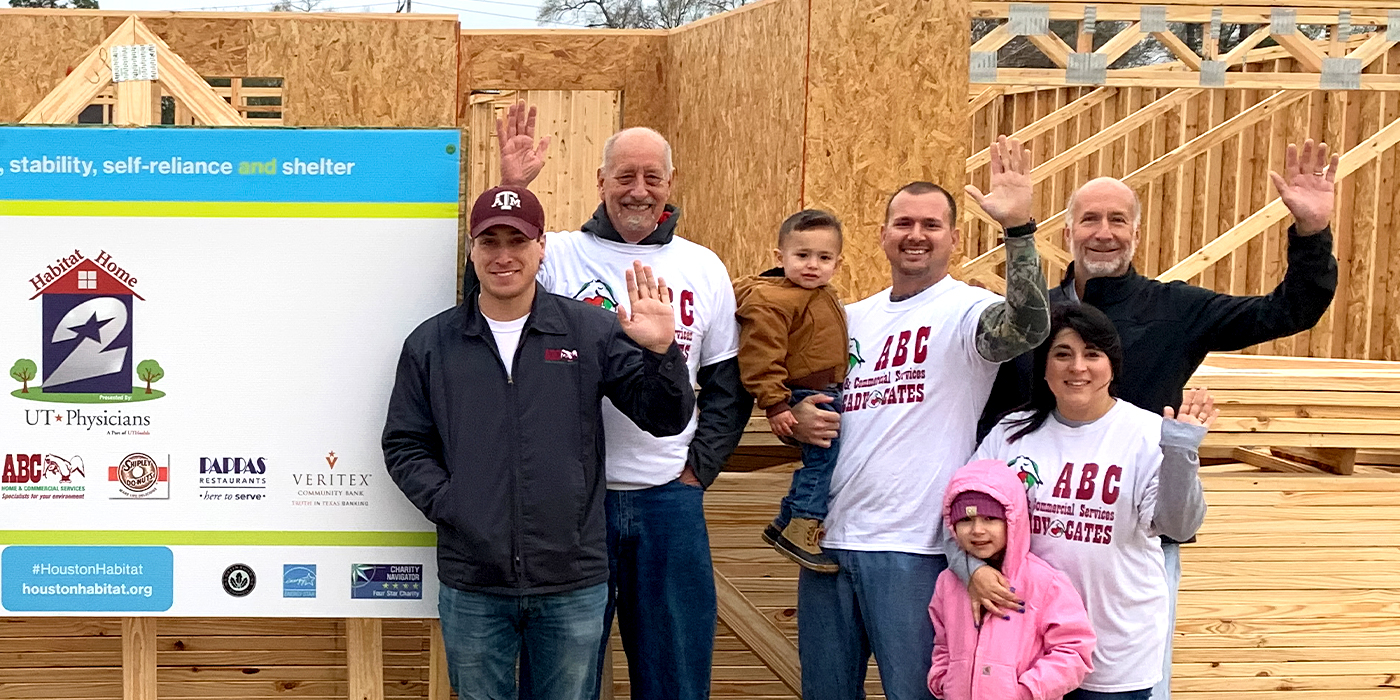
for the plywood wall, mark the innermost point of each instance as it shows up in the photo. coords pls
(630, 61)
(736, 100)
(339, 70)
(888, 105)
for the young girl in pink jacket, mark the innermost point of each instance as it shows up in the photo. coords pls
(1039, 655)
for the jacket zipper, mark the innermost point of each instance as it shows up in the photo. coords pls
(517, 545)
(519, 564)
(976, 655)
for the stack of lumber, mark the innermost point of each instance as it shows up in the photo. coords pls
(1289, 594)
(1312, 412)
(1293, 414)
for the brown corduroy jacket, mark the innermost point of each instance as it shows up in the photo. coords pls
(788, 337)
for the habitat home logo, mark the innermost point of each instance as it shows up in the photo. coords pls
(86, 340)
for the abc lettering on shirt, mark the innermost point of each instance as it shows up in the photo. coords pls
(685, 336)
(895, 381)
(1080, 507)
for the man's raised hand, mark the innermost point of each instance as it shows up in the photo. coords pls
(1009, 201)
(1307, 185)
(651, 323)
(521, 158)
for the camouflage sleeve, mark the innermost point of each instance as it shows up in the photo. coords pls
(1022, 320)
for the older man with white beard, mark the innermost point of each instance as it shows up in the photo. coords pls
(1167, 328)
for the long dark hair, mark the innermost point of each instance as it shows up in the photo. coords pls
(1097, 332)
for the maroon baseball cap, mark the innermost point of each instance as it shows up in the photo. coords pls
(515, 207)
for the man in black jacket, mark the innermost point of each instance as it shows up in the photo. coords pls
(495, 433)
(1167, 328)
(662, 574)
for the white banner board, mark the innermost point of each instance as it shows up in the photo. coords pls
(200, 328)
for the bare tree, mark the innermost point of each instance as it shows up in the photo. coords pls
(631, 14)
(299, 6)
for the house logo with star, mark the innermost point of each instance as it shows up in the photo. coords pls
(87, 336)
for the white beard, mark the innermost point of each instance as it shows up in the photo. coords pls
(1106, 268)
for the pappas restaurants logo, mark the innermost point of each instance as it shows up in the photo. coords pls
(42, 476)
(87, 336)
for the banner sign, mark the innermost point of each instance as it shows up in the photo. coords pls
(200, 329)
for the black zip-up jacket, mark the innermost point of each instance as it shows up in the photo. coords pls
(510, 469)
(1168, 327)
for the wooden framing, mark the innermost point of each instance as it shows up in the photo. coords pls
(137, 102)
(1198, 158)
(1186, 73)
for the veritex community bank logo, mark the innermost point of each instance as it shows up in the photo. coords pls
(86, 344)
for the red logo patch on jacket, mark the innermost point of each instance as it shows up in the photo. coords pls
(560, 355)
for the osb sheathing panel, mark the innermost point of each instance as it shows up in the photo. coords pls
(736, 91)
(36, 53)
(212, 46)
(888, 105)
(630, 61)
(360, 73)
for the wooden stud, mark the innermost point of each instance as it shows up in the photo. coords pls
(138, 658)
(759, 633)
(439, 680)
(364, 658)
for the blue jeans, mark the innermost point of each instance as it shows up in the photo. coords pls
(553, 637)
(663, 590)
(1082, 694)
(877, 602)
(811, 485)
(1171, 551)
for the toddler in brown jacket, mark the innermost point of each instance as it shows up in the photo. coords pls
(792, 345)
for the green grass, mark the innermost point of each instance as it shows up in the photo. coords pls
(138, 393)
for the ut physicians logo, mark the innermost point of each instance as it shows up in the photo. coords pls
(86, 336)
(597, 293)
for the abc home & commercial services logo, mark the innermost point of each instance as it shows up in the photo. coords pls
(140, 476)
(298, 580)
(86, 344)
(42, 476)
(239, 580)
(386, 581)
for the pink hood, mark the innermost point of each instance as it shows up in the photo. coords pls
(994, 478)
(1039, 654)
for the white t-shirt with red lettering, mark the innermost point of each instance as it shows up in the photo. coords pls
(1094, 496)
(582, 266)
(911, 402)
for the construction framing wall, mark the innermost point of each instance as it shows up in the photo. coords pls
(793, 103)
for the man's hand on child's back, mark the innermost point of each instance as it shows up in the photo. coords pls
(782, 423)
(990, 592)
(815, 426)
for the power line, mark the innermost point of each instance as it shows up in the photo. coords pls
(496, 14)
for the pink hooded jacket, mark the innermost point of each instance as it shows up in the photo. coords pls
(1037, 655)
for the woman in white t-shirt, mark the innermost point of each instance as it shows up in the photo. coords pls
(1106, 479)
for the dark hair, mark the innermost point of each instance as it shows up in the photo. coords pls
(1097, 332)
(807, 220)
(925, 187)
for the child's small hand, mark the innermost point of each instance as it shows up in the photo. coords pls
(781, 424)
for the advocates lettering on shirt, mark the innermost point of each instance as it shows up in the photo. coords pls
(915, 387)
(1095, 491)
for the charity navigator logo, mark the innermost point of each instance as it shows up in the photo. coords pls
(86, 336)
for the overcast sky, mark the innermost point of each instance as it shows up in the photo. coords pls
(475, 14)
